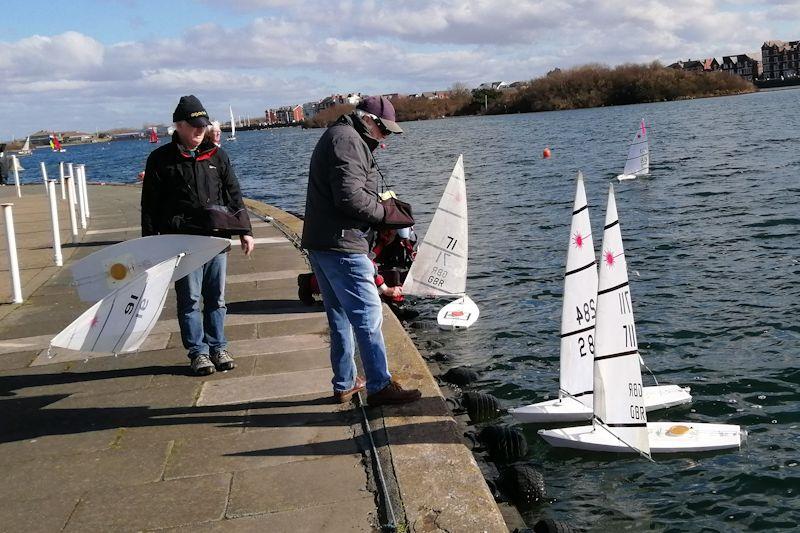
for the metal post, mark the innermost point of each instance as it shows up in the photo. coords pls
(51, 193)
(82, 173)
(61, 179)
(44, 177)
(13, 265)
(71, 191)
(72, 176)
(15, 166)
(76, 184)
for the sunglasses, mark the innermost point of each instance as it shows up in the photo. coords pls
(379, 122)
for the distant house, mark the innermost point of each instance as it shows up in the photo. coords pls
(496, 85)
(76, 137)
(745, 65)
(297, 114)
(41, 138)
(310, 109)
(696, 65)
(780, 59)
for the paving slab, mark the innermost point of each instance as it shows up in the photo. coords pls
(265, 387)
(37, 516)
(261, 448)
(352, 516)
(154, 505)
(76, 473)
(297, 485)
(292, 361)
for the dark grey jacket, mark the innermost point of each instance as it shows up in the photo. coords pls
(342, 198)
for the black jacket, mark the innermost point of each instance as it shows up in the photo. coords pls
(178, 185)
(5, 168)
(342, 198)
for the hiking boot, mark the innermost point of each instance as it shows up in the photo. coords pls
(304, 290)
(222, 360)
(393, 393)
(346, 396)
(202, 365)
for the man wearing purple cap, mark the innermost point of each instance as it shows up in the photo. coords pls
(341, 208)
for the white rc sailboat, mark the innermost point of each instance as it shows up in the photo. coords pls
(638, 162)
(26, 148)
(440, 267)
(232, 136)
(620, 419)
(578, 313)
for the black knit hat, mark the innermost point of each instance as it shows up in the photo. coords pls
(192, 111)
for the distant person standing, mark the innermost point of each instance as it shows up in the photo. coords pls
(341, 207)
(214, 133)
(180, 179)
(4, 165)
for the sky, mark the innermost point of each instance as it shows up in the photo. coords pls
(94, 65)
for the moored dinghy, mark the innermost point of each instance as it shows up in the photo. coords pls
(440, 267)
(620, 419)
(638, 162)
(574, 402)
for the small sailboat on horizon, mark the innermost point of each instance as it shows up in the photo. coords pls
(232, 136)
(26, 148)
(578, 313)
(440, 266)
(153, 136)
(638, 162)
(619, 423)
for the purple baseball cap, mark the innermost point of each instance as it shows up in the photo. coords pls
(381, 107)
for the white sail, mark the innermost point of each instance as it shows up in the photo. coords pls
(121, 321)
(618, 394)
(26, 148)
(233, 125)
(638, 161)
(579, 307)
(98, 274)
(440, 267)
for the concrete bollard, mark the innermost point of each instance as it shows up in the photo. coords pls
(61, 179)
(57, 257)
(13, 265)
(71, 174)
(71, 201)
(44, 177)
(82, 174)
(15, 166)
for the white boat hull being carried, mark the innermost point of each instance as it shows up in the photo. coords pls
(664, 437)
(459, 314)
(568, 409)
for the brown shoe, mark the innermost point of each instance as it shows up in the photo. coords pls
(393, 393)
(345, 396)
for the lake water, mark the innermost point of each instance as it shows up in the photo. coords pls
(711, 239)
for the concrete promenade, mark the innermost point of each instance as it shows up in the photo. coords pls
(135, 443)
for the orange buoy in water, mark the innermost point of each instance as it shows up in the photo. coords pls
(546, 153)
(383, 145)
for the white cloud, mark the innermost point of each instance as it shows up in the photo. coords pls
(297, 51)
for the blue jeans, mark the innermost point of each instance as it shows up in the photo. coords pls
(203, 332)
(351, 301)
